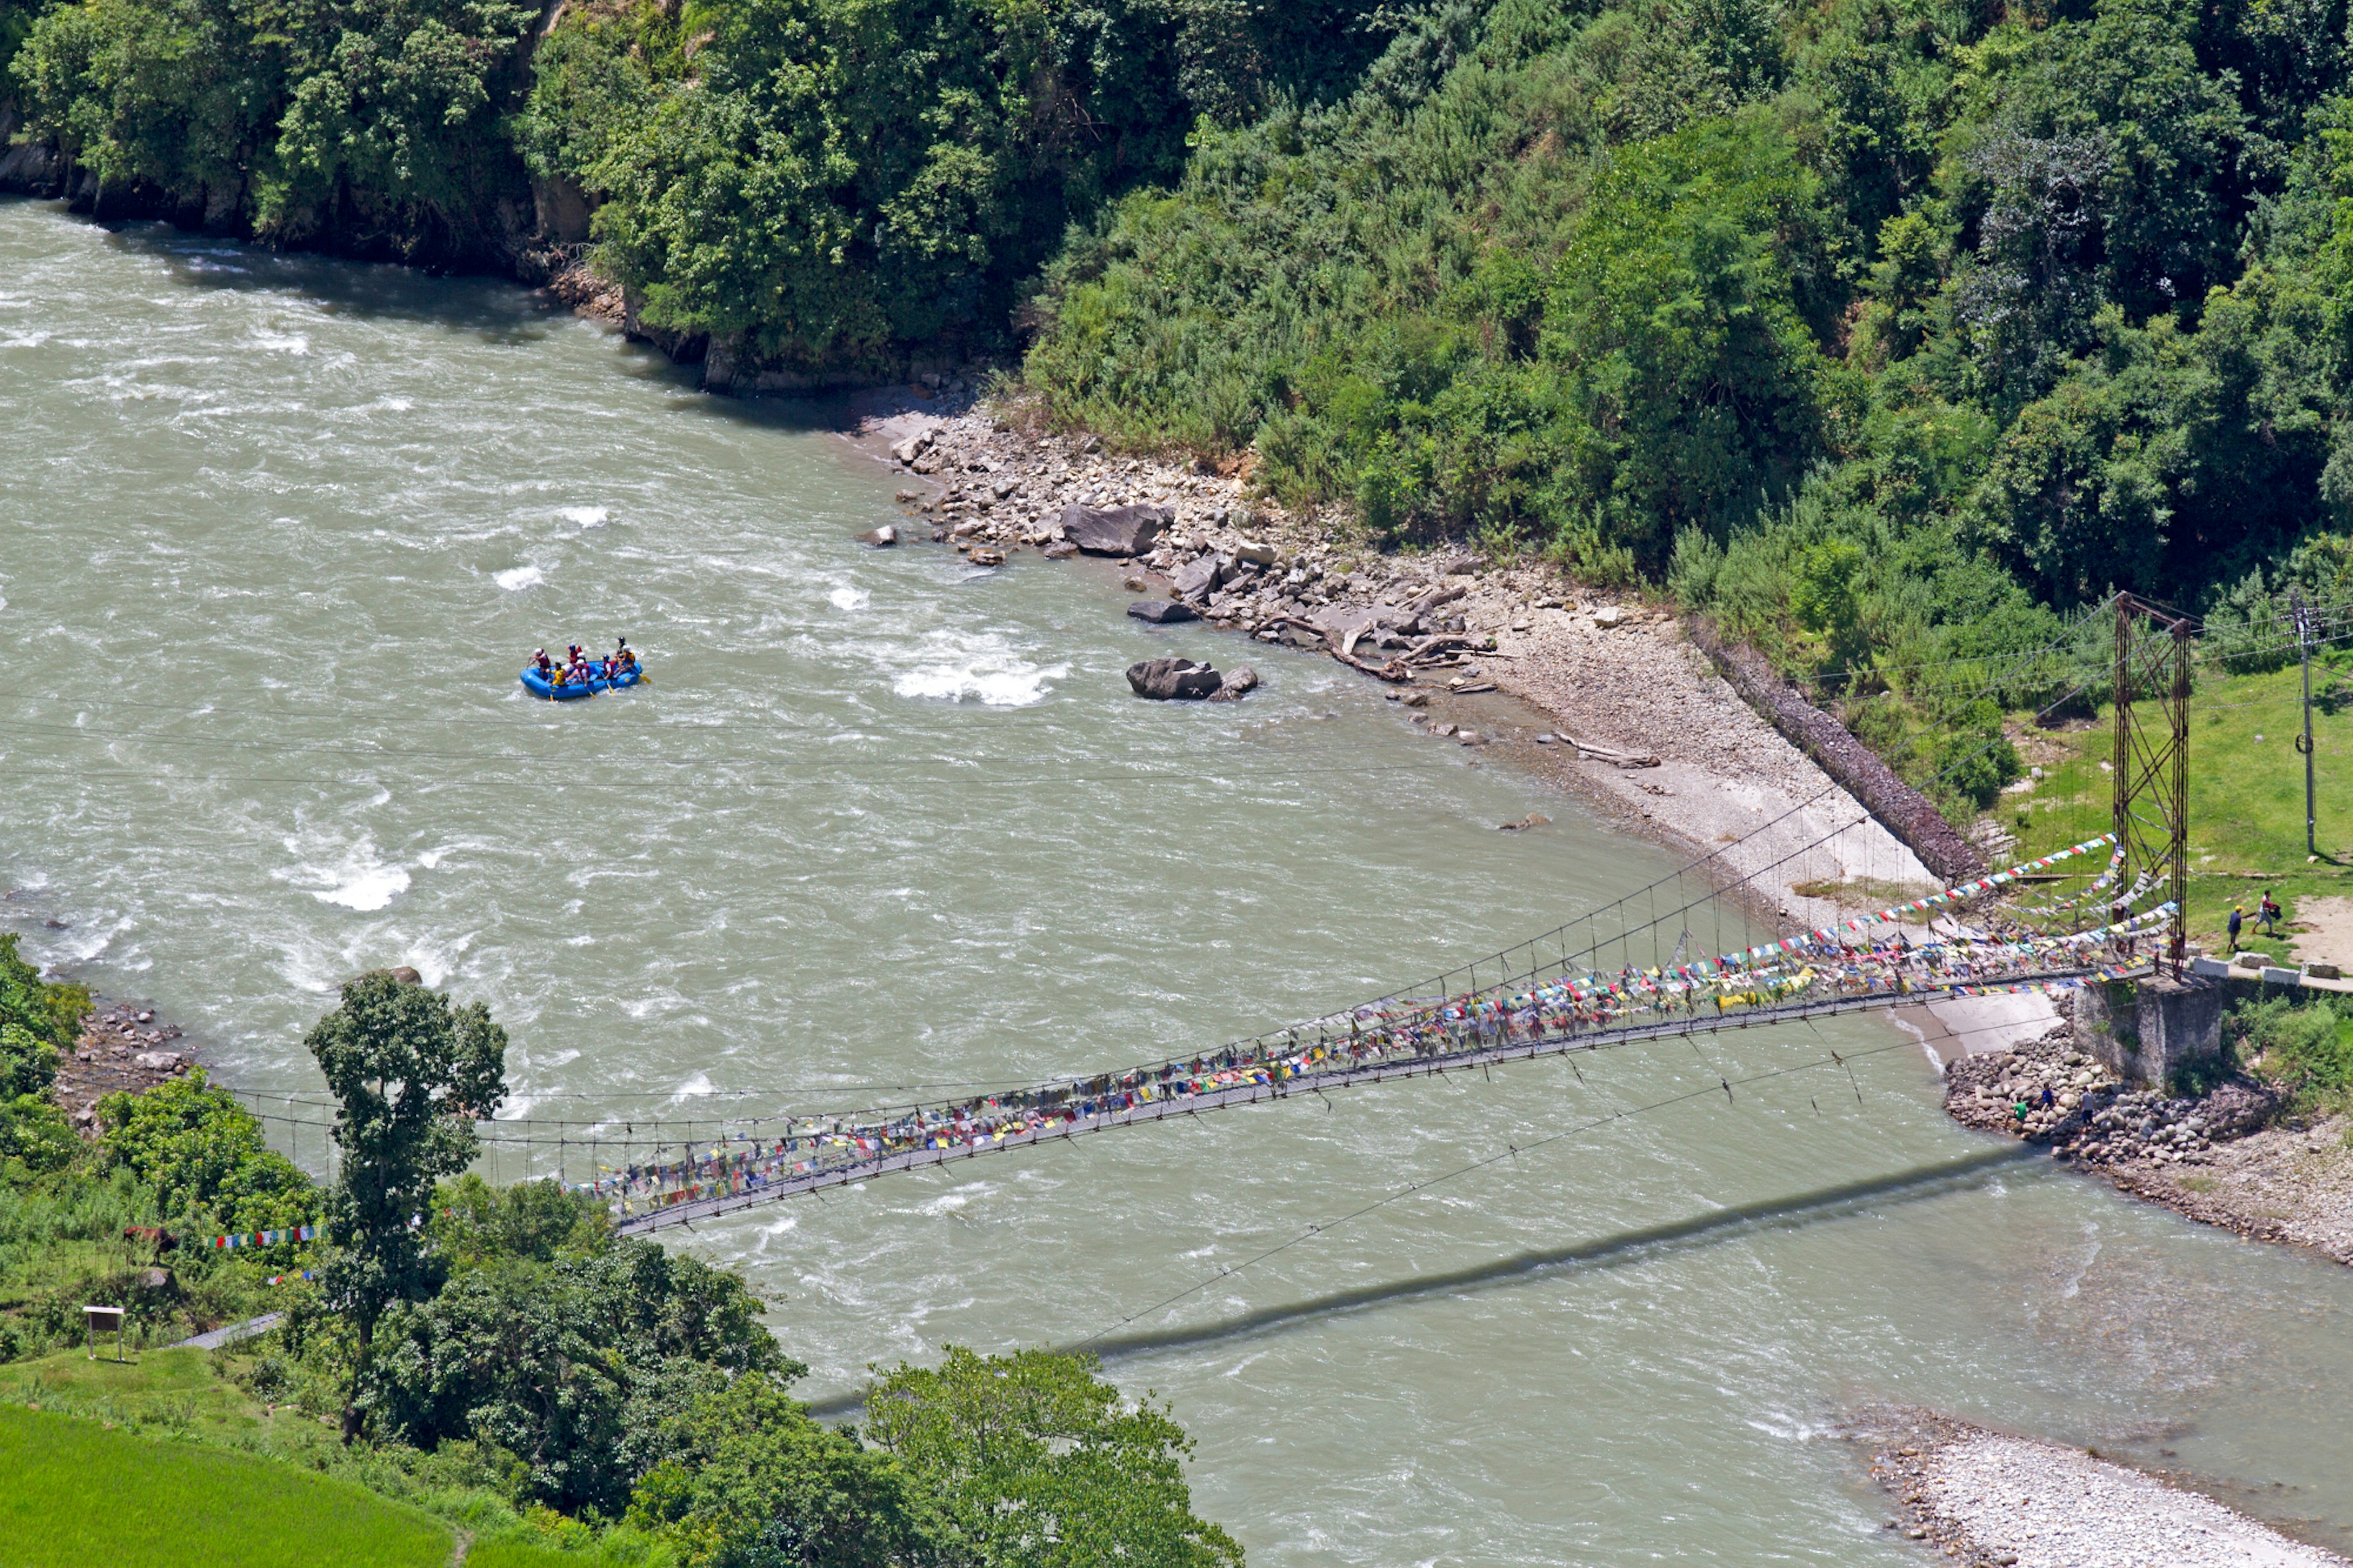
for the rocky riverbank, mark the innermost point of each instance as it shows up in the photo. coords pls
(1984, 1498)
(122, 1048)
(2226, 1157)
(1598, 688)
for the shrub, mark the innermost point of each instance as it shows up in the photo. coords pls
(35, 1135)
(2305, 1047)
(201, 1152)
(1973, 759)
(39, 1020)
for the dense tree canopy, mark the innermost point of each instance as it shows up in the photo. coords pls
(2055, 281)
(1035, 1460)
(750, 1481)
(374, 122)
(560, 1346)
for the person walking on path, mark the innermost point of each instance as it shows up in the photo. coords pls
(2267, 914)
(2238, 918)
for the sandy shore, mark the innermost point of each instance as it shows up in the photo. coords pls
(1982, 1498)
(1597, 689)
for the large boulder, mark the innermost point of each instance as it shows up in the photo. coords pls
(1196, 580)
(1165, 680)
(1115, 531)
(1162, 612)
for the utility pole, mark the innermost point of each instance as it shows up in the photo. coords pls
(2304, 742)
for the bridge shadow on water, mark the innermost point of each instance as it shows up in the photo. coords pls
(1600, 1252)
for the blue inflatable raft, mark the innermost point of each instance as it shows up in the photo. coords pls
(534, 683)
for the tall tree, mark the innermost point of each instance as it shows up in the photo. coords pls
(413, 1074)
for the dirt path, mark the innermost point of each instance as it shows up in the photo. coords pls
(2322, 931)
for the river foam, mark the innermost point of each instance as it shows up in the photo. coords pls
(982, 668)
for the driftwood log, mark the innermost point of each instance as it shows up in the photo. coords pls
(1904, 811)
(1344, 648)
(1604, 753)
(1394, 670)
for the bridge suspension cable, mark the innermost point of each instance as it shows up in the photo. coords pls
(1825, 971)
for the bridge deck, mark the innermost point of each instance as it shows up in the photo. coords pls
(1336, 1076)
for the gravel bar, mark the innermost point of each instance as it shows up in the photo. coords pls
(1986, 1499)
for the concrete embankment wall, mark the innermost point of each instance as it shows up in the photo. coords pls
(1904, 811)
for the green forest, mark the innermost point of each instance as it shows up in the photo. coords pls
(1892, 332)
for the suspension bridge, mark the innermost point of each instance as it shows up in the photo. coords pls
(727, 1178)
(1638, 969)
(1620, 975)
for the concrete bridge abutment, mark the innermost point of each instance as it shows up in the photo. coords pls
(2150, 1030)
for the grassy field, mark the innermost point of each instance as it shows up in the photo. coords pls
(180, 1391)
(2246, 795)
(163, 1459)
(79, 1494)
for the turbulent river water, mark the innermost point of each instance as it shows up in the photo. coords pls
(275, 533)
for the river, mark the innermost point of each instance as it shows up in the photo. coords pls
(275, 534)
